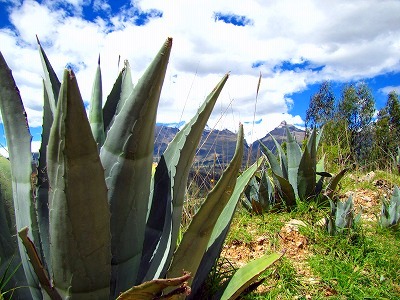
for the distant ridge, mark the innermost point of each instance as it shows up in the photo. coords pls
(218, 146)
(279, 134)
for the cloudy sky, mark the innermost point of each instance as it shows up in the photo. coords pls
(293, 44)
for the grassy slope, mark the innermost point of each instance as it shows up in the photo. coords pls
(361, 264)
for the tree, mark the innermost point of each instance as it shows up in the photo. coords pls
(322, 106)
(393, 108)
(357, 107)
(387, 130)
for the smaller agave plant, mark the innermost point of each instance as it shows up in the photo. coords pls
(259, 194)
(341, 216)
(295, 175)
(390, 212)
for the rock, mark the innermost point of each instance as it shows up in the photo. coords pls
(321, 223)
(296, 223)
(368, 177)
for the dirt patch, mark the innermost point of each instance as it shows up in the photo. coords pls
(291, 241)
(369, 202)
(240, 253)
(295, 246)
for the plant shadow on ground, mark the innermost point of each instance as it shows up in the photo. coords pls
(362, 263)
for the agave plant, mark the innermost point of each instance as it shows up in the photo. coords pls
(341, 216)
(259, 194)
(97, 224)
(297, 174)
(390, 212)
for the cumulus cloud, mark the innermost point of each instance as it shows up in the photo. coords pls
(292, 43)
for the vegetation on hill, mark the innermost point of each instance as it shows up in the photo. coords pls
(352, 133)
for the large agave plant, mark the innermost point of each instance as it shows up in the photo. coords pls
(297, 174)
(97, 222)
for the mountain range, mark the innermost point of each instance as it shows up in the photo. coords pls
(217, 147)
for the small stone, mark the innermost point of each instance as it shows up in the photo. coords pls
(321, 223)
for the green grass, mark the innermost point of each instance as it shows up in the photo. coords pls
(247, 226)
(288, 285)
(362, 264)
(355, 180)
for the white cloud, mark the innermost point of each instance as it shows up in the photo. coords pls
(101, 5)
(32, 19)
(387, 89)
(353, 40)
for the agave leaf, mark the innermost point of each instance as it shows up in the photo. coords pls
(110, 107)
(159, 219)
(221, 228)
(266, 192)
(226, 216)
(19, 149)
(51, 89)
(330, 222)
(42, 185)
(151, 289)
(127, 157)
(252, 189)
(50, 79)
(286, 191)
(320, 182)
(294, 157)
(272, 160)
(246, 204)
(195, 240)
(126, 86)
(394, 208)
(282, 158)
(79, 214)
(384, 217)
(334, 182)
(96, 109)
(164, 227)
(344, 214)
(306, 177)
(120, 92)
(312, 144)
(248, 274)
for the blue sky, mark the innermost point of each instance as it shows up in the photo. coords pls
(294, 44)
